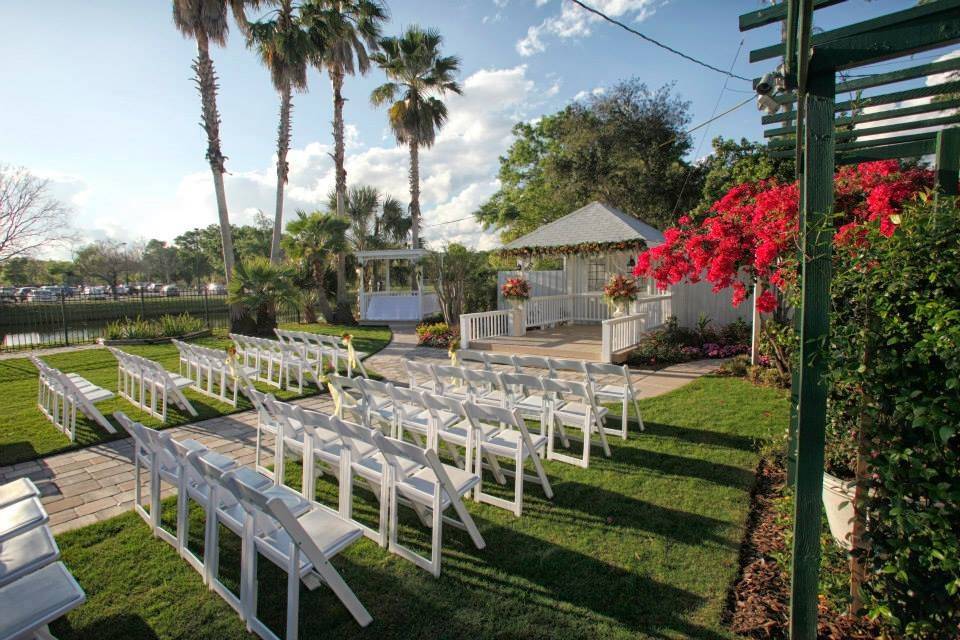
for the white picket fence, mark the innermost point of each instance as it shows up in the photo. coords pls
(584, 308)
(480, 326)
(620, 334)
(542, 283)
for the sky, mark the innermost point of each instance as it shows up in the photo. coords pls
(98, 98)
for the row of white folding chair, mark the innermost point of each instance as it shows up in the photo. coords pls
(35, 588)
(146, 383)
(213, 372)
(609, 382)
(60, 395)
(265, 357)
(436, 420)
(319, 345)
(298, 535)
(395, 473)
(557, 403)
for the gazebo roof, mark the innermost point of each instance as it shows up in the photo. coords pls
(594, 228)
(391, 254)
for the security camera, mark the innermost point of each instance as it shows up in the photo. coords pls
(768, 83)
(767, 103)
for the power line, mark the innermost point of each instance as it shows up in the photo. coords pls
(705, 123)
(656, 42)
(696, 153)
(437, 224)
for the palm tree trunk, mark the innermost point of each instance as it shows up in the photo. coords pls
(415, 194)
(206, 81)
(325, 310)
(283, 146)
(344, 313)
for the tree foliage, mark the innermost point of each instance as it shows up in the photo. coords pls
(30, 216)
(464, 280)
(624, 147)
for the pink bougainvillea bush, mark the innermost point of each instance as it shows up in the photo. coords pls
(752, 231)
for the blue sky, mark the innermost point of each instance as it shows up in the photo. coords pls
(98, 98)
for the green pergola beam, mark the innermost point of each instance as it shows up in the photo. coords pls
(879, 79)
(833, 41)
(948, 161)
(769, 15)
(856, 134)
(874, 101)
(817, 238)
(913, 149)
(888, 114)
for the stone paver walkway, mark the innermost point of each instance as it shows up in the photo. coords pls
(23, 353)
(93, 484)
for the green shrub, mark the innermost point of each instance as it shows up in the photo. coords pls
(139, 329)
(735, 367)
(171, 326)
(673, 344)
(898, 301)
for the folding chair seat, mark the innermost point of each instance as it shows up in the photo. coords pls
(20, 517)
(16, 490)
(26, 553)
(573, 405)
(433, 488)
(621, 390)
(514, 443)
(299, 542)
(420, 376)
(453, 383)
(31, 603)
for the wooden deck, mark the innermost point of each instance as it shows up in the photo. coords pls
(581, 341)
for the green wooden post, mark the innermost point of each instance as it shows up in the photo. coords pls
(817, 232)
(948, 161)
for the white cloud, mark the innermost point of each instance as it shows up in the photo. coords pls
(457, 173)
(583, 95)
(575, 22)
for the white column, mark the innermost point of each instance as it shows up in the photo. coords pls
(388, 274)
(755, 329)
(360, 294)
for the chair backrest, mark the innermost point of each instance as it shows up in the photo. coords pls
(609, 369)
(351, 435)
(445, 371)
(418, 372)
(480, 380)
(395, 451)
(522, 381)
(567, 364)
(531, 362)
(469, 355)
(500, 359)
(403, 397)
(437, 403)
(567, 389)
(375, 389)
(344, 384)
(481, 414)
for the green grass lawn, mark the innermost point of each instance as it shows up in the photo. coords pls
(25, 434)
(643, 545)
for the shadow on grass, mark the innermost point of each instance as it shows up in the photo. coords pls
(122, 625)
(629, 459)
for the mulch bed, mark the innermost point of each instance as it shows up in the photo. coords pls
(759, 602)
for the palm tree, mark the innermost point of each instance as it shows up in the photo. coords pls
(417, 74)
(393, 225)
(285, 48)
(351, 29)
(316, 241)
(206, 21)
(261, 289)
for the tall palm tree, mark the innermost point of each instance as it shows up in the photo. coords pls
(315, 240)
(393, 225)
(285, 48)
(417, 74)
(360, 208)
(351, 29)
(207, 21)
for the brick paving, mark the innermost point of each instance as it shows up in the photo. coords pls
(93, 484)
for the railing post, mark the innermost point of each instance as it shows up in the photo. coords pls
(464, 332)
(206, 309)
(606, 353)
(63, 318)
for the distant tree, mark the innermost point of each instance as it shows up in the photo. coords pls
(193, 255)
(24, 271)
(733, 163)
(160, 261)
(464, 281)
(261, 289)
(418, 76)
(314, 241)
(285, 48)
(30, 217)
(254, 240)
(106, 260)
(624, 147)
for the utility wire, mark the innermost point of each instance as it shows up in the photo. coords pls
(716, 105)
(656, 42)
(705, 123)
(437, 224)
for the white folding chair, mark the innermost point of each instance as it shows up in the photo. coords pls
(378, 400)
(453, 381)
(17, 490)
(527, 396)
(434, 487)
(515, 443)
(64, 394)
(420, 376)
(612, 391)
(486, 388)
(451, 426)
(537, 365)
(573, 404)
(25, 553)
(30, 604)
(349, 398)
(299, 541)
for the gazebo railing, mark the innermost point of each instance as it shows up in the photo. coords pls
(545, 311)
(480, 326)
(620, 334)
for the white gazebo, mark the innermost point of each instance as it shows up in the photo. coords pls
(408, 303)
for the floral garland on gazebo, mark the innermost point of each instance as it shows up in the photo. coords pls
(584, 248)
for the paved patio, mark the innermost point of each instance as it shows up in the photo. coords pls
(93, 484)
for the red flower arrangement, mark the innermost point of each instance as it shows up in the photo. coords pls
(515, 289)
(620, 288)
(752, 232)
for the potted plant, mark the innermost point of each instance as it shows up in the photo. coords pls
(515, 291)
(619, 292)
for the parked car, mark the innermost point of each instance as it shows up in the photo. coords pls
(170, 290)
(121, 290)
(217, 289)
(22, 293)
(95, 293)
(8, 294)
(43, 294)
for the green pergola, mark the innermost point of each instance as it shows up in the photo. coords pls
(821, 133)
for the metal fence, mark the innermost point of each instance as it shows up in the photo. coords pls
(79, 319)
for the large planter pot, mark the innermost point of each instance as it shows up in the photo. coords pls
(619, 308)
(838, 501)
(515, 303)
